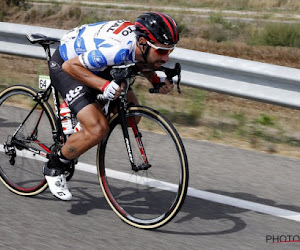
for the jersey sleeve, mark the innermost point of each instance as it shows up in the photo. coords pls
(93, 60)
(99, 59)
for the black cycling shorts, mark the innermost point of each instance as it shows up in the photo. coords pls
(76, 94)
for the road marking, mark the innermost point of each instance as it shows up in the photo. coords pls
(226, 200)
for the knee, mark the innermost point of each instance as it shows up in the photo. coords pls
(97, 132)
(94, 124)
(100, 130)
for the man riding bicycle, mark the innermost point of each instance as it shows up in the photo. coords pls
(80, 69)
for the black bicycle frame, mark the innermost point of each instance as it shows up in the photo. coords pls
(122, 110)
(58, 135)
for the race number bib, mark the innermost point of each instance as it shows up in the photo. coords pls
(44, 82)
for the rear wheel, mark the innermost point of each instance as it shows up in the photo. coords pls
(25, 139)
(152, 194)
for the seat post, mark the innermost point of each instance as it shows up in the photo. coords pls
(44, 41)
(47, 51)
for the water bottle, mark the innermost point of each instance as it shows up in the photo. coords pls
(66, 119)
(77, 127)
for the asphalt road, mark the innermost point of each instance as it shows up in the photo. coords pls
(87, 222)
(263, 187)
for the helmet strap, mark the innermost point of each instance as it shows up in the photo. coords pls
(144, 51)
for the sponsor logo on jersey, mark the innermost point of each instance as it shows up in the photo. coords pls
(54, 65)
(79, 46)
(121, 26)
(121, 56)
(97, 59)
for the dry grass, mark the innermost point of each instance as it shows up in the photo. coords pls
(278, 5)
(222, 116)
(66, 17)
(250, 4)
(283, 56)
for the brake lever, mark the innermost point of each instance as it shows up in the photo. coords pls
(170, 73)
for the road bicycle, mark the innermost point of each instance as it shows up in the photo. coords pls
(141, 163)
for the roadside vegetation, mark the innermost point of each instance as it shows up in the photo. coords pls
(252, 5)
(197, 114)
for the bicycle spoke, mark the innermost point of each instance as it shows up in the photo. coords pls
(26, 139)
(144, 198)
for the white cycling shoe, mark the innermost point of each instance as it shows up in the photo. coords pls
(56, 179)
(58, 187)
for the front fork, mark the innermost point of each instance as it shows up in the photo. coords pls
(138, 136)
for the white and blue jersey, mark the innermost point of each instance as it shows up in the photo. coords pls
(100, 45)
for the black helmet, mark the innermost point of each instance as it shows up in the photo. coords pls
(157, 27)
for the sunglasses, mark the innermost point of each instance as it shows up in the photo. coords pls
(161, 50)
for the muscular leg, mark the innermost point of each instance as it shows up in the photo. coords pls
(94, 128)
(132, 97)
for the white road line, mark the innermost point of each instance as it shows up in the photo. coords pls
(248, 205)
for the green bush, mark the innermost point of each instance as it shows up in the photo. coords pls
(265, 120)
(220, 29)
(194, 107)
(15, 2)
(2, 15)
(241, 123)
(182, 28)
(276, 34)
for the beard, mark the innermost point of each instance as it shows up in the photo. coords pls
(156, 65)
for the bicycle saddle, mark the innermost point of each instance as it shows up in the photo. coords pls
(41, 39)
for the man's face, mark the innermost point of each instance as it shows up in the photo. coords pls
(158, 54)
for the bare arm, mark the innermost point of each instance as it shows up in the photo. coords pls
(74, 68)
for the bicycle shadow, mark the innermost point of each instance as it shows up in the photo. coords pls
(216, 211)
(5, 124)
(85, 201)
(224, 219)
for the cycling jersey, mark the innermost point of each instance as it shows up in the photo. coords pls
(100, 45)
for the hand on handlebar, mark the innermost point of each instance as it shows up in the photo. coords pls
(112, 91)
(167, 87)
(163, 87)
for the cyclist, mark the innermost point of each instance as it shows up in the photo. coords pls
(80, 68)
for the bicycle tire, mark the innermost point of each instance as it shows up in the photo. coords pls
(25, 177)
(139, 200)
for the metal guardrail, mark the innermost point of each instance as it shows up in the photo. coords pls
(248, 79)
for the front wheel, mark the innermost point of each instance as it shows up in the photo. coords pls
(150, 192)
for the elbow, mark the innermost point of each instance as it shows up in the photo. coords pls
(68, 68)
(65, 66)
